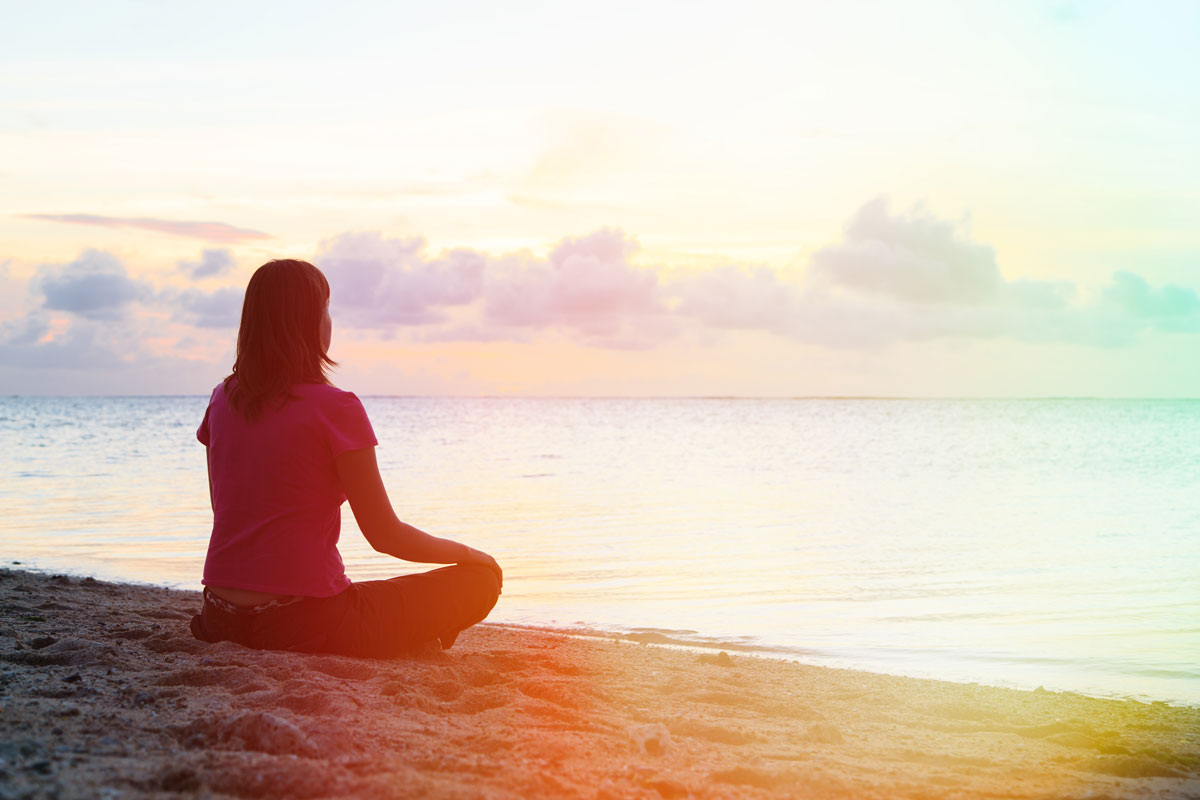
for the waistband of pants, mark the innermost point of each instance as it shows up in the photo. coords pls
(227, 607)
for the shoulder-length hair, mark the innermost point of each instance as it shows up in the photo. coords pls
(279, 339)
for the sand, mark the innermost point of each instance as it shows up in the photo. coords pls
(104, 694)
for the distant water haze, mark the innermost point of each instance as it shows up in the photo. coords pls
(1012, 542)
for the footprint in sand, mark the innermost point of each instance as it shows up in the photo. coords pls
(258, 731)
(508, 662)
(786, 708)
(227, 677)
(482, 676)
(173, 643)
(712, 733)
(478, 700)
(311, 704)
(283, 777)
(132, 634)
(340, 667)
(446, 691)
(67, 652)
(558, 693)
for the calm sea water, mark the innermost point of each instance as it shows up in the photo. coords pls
(1011, 542)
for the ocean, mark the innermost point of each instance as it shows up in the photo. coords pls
(1024, 543)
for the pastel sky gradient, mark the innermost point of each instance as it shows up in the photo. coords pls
(861, 198)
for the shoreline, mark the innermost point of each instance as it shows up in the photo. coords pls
(104, 693)
(786, 655)
(699, 644)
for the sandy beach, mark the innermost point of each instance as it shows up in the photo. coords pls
(105, 694)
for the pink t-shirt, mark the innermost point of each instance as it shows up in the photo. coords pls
(276, 495)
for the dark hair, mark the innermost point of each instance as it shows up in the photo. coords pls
(279, 339)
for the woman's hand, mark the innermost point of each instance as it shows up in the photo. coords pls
(473, 556)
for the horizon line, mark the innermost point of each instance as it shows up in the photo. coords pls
(10, 395)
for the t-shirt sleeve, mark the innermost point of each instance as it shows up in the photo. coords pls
(202, 431)
(347, 426)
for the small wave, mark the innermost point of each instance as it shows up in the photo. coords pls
(677, 638)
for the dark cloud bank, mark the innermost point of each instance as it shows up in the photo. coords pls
(892, 277)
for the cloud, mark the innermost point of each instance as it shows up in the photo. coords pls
(733, 297)
(25, 330)
(1036, 294)
(892, 277)
(918, 260)
(91, 315)
(46, 353)
(26, 344)
(587, 287)
(85, 318)
(1169, 308)
(913, 258)
(220, 308)
(942, 284)
(912, 277)
(208, 231)
(95, 285)
(379, 282)
(212, 262)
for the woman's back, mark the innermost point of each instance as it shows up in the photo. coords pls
(275, 490)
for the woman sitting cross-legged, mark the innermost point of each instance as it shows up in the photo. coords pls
(285, 450)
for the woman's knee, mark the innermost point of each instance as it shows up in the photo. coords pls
(484, 584)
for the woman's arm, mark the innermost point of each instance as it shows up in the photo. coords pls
(359, 473)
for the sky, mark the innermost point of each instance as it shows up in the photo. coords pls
(755, 199)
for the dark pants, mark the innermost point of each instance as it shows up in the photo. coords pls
(371, 619)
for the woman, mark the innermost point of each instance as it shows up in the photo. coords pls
(285, 449)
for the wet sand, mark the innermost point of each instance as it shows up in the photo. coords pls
(104, 694)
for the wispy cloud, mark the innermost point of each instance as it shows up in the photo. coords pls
(208, 231)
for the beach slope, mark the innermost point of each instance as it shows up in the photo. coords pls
(104, 694)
